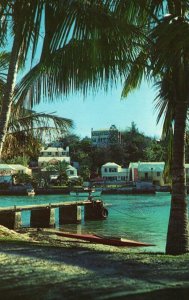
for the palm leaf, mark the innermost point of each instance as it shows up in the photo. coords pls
(30, 121)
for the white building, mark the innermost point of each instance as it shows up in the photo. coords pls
(8, 170)
(147, 172)
(70, 171)
(11, 169)
(114, 172)
(53, 154)
(105, 137)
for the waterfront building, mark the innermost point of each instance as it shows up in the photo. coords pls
(105, 137)
(114, 172)
(8, 170)
(11, 169)
(53, 155)
(147, 172)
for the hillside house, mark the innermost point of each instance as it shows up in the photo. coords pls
(105, 137)
(53, 155)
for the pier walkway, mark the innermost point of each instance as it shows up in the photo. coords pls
(43, 215)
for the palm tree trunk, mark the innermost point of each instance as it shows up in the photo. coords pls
(177, 235)
(9, 90)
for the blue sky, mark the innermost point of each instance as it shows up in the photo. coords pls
(104, 109)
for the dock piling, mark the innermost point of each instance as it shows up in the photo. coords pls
(43, 217)
(70, 214)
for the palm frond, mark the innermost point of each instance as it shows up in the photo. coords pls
(31, 121)
(136, 73)
(4, 18)
(78, 36)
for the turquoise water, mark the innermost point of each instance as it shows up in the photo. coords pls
(138, 217)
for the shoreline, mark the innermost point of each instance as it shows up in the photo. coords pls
(40, 265)
(66, 192)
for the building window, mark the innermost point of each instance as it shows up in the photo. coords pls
(158, 174)
(105, 170)
(112, 169)
(146, 175)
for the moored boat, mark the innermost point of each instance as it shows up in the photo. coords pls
(30, 192)
(111, 241)
(85, 192)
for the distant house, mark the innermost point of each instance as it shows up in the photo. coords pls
(105, 137)
(151, 172)
(8, 170)
(53, 155)
(11, 169)
(70, 171)
(114, 172)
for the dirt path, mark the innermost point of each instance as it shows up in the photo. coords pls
(51, 267)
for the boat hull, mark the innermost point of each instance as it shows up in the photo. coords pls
(86, 194)
(118, 242)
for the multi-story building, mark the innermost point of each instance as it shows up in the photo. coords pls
(53, 154)
(105, 137)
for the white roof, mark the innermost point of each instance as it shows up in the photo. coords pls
(133, 165)
(53, 149)
(151, 166)
(5, 167)
(12, 167)
(18, 167)
(111, 164)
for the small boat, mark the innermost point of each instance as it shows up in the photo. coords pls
(30, 192)
(96, 239)
(85, 192)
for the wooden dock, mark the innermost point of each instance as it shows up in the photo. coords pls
(43, 215)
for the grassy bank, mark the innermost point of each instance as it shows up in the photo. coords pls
(40, 265)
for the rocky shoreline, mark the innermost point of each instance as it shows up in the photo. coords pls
(37, 264)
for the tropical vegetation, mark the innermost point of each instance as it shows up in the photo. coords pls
(89, 44)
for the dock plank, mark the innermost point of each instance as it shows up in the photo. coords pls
(49, 205)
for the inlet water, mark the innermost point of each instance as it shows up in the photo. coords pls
(139, 217)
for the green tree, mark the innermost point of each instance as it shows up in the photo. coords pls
(135, 144)
(72, 54)
(155, 151)
(23, 178)
(125, 38)
(60, 168)
(164, 58)
(21, 160)
(84, 172)
(28, 130)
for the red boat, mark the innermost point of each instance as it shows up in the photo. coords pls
(111, 241)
